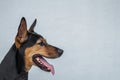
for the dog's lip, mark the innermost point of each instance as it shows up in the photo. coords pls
(42, 63)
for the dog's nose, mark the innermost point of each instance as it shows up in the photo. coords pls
(60, 52)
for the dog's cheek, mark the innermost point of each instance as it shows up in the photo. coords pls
(28, 59)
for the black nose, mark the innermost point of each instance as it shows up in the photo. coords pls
(60, 52)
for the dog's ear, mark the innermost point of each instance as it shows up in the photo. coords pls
(33, 26)
(22, 33)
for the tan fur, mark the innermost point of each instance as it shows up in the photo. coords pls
(46, 51)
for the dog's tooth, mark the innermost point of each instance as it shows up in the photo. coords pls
(41, 63)
(37, 59)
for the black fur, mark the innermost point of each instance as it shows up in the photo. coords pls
(12, 67)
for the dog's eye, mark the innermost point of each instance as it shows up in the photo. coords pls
(41, 43)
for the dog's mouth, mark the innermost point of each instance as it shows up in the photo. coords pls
(43, 64)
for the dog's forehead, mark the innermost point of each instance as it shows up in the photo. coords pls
(41, 40)
(35, 36)
(32, 39)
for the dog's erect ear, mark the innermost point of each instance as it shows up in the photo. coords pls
(22, 33)
(33, 26)
(22, 30)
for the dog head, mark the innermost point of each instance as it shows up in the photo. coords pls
(34, 48)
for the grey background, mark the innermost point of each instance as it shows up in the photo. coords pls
(87, 30)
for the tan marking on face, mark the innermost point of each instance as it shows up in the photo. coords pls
(46, 51)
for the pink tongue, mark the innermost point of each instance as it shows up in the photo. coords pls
(48, 65)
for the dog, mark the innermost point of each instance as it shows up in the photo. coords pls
(29, 49)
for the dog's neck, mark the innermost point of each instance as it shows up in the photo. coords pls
(12, 64)
(9, 61)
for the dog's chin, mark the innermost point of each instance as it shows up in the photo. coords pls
(42, 63)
